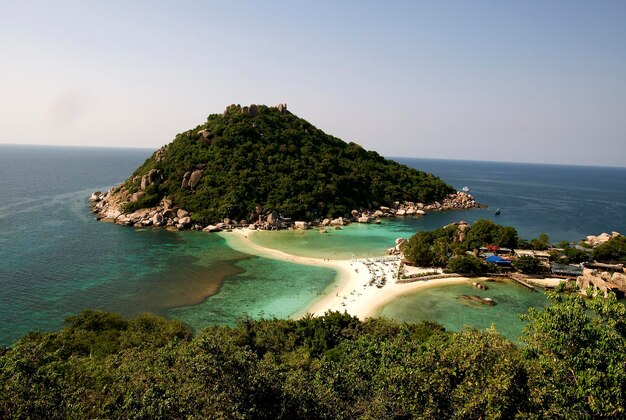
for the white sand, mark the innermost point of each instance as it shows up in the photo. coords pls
(350, 292)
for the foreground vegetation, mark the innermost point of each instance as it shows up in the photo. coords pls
(102, 366)
(278, 161)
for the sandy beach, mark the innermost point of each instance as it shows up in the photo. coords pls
(354, 289)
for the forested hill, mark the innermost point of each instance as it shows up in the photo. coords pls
(268, 157)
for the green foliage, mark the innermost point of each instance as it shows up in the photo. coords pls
(435, 248)
(575, 355)
(541, 243)
(613, 250)
(485, 232)
(281, 162)
(528, 264)
(103, 366)
(465, 264)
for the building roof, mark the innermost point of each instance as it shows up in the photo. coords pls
(565, 269)
(497, 260)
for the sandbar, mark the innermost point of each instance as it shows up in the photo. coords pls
(353, 291)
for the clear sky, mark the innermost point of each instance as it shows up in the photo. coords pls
(530, 81)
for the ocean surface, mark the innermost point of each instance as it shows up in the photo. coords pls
(56, 260)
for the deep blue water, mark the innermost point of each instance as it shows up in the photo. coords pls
(56, 260)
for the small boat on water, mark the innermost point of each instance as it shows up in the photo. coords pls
(465, 189)
(497, 212)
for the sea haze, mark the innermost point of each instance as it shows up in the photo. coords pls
(56, 260)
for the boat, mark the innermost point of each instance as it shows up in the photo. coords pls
(497, 212)
(465, 189)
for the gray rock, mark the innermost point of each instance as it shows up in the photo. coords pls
(185, 184)
(195, 178)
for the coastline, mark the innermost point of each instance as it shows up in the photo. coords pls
(350, 291)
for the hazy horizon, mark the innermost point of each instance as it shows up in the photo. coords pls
(532, 82)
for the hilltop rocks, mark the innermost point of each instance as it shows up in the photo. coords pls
(282, 108)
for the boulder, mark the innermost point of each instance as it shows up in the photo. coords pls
(145, 182)
(157, 219)
(400, 212)
(253, 110)
(325, 222)
(184, 220)
(185, 184)
(169, 214)
(212, 228)
(399, 241)
(301, 225)
(337, 222)
(137, 196)
(354, 213)
(226, 221)
(166, 203)
(411, 211)
(96, 196)
(194, 178)
(378, 213)
(420, 212)
(364, 219)
(272, 218)
(182, 213)
(252, 226)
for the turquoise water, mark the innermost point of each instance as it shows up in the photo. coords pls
(444, 305)
(56, 260)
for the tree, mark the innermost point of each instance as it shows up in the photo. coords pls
(575, 354)
(540, 243)
(485, 232)
(613, 250)
(417, 249)
(465, 264)
(528, 264)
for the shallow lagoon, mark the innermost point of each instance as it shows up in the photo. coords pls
(444, 305)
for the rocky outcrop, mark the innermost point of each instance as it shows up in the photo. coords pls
(282, 108)
(600, 239)
(153, 177)
(194, 178)
(601, 280)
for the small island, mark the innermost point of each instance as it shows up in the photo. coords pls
(262, 167)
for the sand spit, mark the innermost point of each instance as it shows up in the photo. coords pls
(362, 286)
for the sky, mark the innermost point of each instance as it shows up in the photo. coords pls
(532, 81)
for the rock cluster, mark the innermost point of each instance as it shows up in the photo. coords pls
(282, 108)
(600, 239)
(457, 201)
(108, 207)
(601, 280)
(191, 179)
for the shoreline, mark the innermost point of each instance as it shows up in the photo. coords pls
(352, 290)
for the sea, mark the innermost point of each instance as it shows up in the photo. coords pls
(57, 260)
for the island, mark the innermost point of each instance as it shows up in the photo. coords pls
(263, 167)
